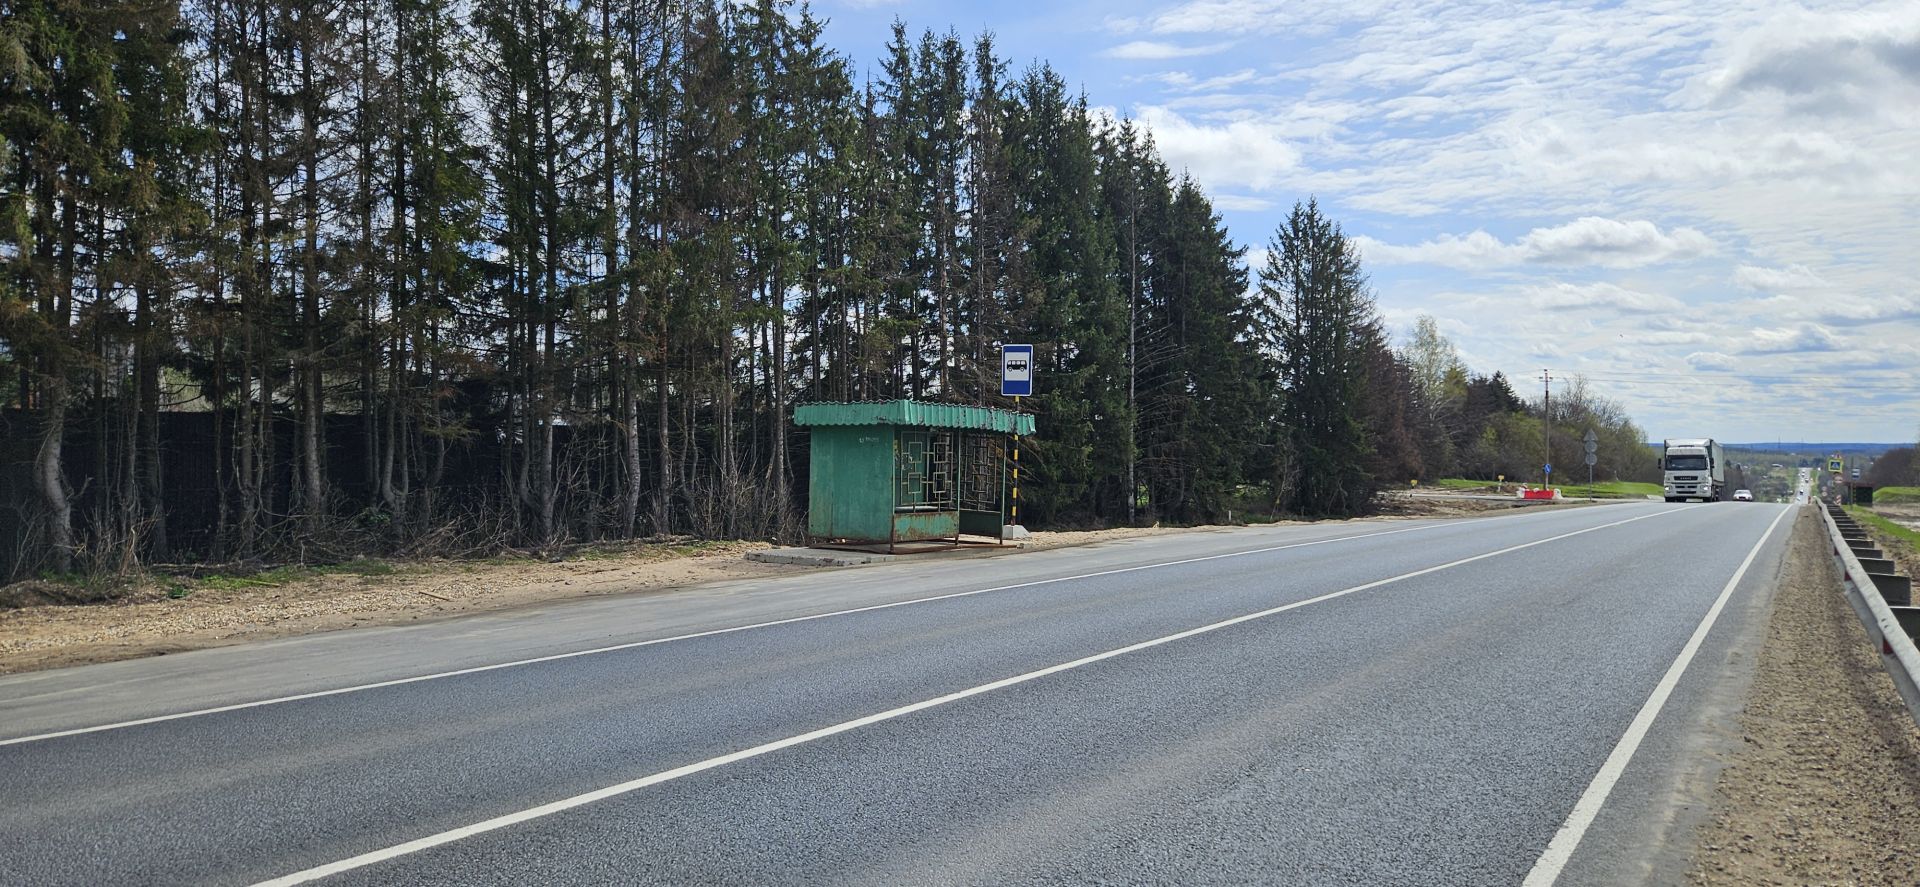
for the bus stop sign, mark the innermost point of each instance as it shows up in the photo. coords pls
(1016, 370)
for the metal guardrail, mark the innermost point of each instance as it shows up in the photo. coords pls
(1897, 650)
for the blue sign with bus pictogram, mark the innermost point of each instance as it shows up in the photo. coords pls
(1016, 370)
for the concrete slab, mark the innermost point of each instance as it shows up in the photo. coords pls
(919, 551)
(818, 557)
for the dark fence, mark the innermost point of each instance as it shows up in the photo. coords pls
(194, 452)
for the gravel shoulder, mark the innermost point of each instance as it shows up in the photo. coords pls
(148, 622)
(1825, 786)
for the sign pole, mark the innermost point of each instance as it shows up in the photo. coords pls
(1593, 449)
(1016, 381)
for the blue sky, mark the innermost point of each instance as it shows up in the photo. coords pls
(1707, 209)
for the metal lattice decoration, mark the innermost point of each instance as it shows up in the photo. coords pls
(983, 471)
(924, 471)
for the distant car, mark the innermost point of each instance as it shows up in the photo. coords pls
(1743, 495)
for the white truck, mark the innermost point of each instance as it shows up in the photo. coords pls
(1694, 468)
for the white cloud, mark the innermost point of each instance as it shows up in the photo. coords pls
(1853, 310)
(1793, 340)
(1834, 306)
(1711, 361)
(1184, 81)
(1154, 49)
(1601, 296)
(1209, 16)
(1235, 154)
(1592, 240)
(1476, 250)
(1224, 81)
(1587, 241)
(1774, 280)
(1826, 63)
(1668, 338)
(1241, 202)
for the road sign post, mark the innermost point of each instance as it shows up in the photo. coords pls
(1016, 381)
(1593, 448)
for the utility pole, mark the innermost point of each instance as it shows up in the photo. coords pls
(1546, 397)
(1133, 326)
(1546, 423)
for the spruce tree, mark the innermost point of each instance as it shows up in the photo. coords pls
(1136, 192)
(1065, 299)
(1319, 319)
(1205, 392)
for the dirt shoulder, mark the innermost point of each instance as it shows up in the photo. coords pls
(1904, 553)
(219, 612)
(164, 617)
(1907, 513)
(1825, 787)
(167, 617)
(1455, 504)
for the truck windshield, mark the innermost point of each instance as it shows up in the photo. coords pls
(1686, 463)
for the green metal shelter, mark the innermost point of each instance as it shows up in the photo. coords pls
(887, 472)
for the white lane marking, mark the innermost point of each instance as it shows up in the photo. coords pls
(319, 694)
(548, 809)
(1547, 868)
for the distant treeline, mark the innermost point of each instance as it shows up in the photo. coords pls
(1897, 467)
(577, 260)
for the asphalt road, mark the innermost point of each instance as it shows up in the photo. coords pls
(1421, 702)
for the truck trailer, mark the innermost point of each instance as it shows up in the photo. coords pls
(1694, 468)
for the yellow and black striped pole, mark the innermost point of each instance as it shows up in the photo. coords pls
(1016, 460)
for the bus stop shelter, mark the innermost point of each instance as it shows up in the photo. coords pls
(883, 473)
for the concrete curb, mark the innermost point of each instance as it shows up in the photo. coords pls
(816, 557)
(837, 557)
(1897, 650)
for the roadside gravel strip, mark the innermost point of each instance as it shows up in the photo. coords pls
(1825, 788)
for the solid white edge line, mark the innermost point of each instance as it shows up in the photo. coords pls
(1546, 870)
(396, 682)
(531, 813)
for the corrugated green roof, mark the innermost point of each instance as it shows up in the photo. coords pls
(913, 413)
